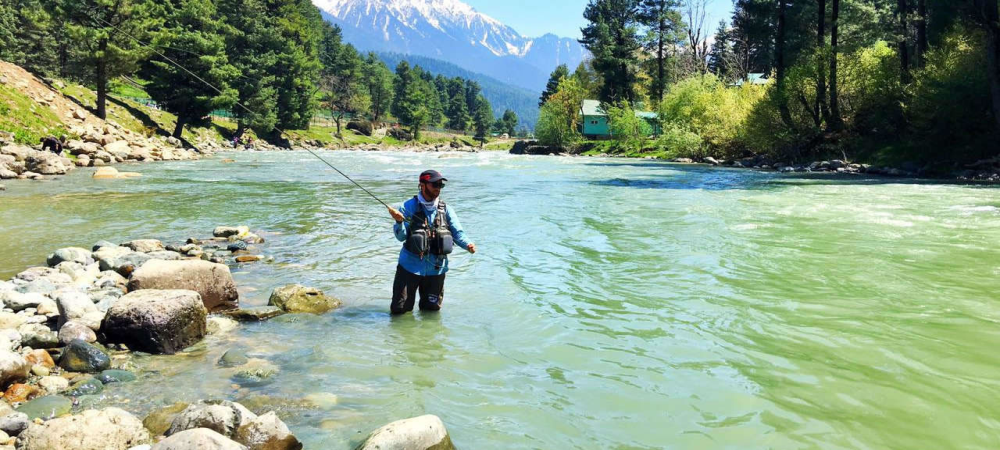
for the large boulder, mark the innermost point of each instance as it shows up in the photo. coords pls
(46, 163)
(212, 281)
(80, 356)
(107, 429)
(419, 433)
(13, 368)
(18, 301)
(156, 321)
(75, 254)
(295, 298)
(221, 416)
(267, 432)
(74, 330)
(198, 438)
(120, 149)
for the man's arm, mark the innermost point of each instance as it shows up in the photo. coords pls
(400, 216)
(457, 233)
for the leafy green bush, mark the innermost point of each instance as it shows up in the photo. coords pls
(627, 130)
(871, 91)
(678, 142)
(705, 106)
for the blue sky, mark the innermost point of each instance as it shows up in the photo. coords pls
(534, 18)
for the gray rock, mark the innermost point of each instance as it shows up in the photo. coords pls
(74, 330)
(221, 416)
(73, 306)
(46, 407)
(255, 314)
(34, 273)
(81, 274)
(230, 231)
(14, 423)
(14, 368)
(267, 432)
(53, 385)
(74, 254)
(18, 302)
(111, 279)
(36, 335)
(9, 320)
(102, 244)
(46, 285)
(300, 299)
(80, 356)
(156, 321)
(108, 429)
(198, 438)
(120, 259)
(213, 282)
(166, 255)
(419, 433)
(144, 245)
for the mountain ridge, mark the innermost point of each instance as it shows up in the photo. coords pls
(455, 32)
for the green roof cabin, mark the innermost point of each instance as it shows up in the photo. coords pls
(595, 120)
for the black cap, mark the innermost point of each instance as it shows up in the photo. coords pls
(431, 176)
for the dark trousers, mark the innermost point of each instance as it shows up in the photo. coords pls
(404, 291)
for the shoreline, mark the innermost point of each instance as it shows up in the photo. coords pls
(76, 324)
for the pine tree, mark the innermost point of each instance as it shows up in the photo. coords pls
(550, 88)
(663, 20)
(482, 119)
(612, 37)
(509, 121)
(379, 80)
(252, 46)
(104, 34)
(458, 113)
(345, 93)
(409, 99)
(193, 40)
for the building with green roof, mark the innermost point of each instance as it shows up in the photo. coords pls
(595, 120)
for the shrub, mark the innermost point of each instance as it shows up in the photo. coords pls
(705, 106)
(627, 130)
(679, 142)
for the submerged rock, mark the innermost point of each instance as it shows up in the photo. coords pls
(46, 407)
(295, 298)
(156, 321)
(85, 386)
(108, 429)
(419, 433)
(233, 358)
(212, 281)
(116, 376)
(255, 314)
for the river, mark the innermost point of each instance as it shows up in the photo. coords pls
(613, 303)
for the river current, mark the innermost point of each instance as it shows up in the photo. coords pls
(613, 303)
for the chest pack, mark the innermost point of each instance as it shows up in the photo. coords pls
(425, 238)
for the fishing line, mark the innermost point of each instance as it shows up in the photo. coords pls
(206, 83)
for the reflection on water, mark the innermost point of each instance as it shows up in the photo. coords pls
(613, 304)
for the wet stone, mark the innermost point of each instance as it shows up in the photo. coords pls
(233, 358)
(80, 356)
(46, 407)
(85, 386)
(116, 376)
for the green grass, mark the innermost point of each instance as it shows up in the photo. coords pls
(27, 120)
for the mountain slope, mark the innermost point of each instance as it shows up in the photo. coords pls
(451, 31)
(501, 96)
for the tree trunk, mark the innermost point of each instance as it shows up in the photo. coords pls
(820, 107)
(834, 122)
(102, 79)
(779, 64)
(904, 53)
(660, 73)
(179, 128)
(921, 32)
(991, 16)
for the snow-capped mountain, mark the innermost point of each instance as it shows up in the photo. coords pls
(453, 31)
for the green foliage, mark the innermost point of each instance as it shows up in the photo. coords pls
(378, 79)
(706, 106)
(552, 85)
(25, 119)
(678, 142)
(509, 122)
(627, 130)
(872, 92)
(409, 99)
(611, 35)
(30, 37)
(950, 108)
(482, 119)
(194, 40)
(559, 119)
(458, 112)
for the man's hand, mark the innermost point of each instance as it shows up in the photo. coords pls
(396, 215)
(472, 248)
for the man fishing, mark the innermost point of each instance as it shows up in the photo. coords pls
(428, 229)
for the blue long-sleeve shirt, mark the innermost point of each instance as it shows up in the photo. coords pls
(430, 264)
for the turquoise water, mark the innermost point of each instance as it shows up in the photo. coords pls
(613, 303)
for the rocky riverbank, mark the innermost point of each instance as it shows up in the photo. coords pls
(983, 171)
(72, 327)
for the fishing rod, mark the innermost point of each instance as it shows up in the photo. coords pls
(241, 105)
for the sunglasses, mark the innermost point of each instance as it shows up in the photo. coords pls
(438, 184)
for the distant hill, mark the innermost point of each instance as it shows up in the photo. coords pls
(452, 31)
(501, 95)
